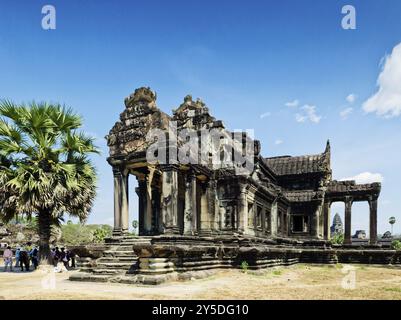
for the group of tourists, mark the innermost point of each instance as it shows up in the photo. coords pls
(28, 254)
(24, 256)
(62, 259)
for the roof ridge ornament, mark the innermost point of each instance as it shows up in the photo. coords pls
(141, 95)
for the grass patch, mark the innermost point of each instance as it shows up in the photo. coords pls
(398, 290)
(277, 272)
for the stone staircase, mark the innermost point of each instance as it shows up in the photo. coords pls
(119, 260)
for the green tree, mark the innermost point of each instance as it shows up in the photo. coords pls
(45, 171)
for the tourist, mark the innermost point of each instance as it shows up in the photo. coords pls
(64, 258)
(34, 257)
(8, 258)
(24, 259)
(57, 255)
(28, 247)
(17, 257)
(71, 256)
(52, 255)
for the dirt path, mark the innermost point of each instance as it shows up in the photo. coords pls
(296, 282)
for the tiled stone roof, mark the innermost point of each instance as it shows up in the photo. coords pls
(288, 165)
(350, 185)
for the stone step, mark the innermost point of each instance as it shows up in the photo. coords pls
(101, 271)
(85, 269)
(124, 248)
(132, 259)
(89, 277)
(116, 265)
(137, 243)
(119, 254)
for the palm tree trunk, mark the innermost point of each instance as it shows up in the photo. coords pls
(44, 218)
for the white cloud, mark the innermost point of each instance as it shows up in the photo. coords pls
(300, 118)
(309, 113)
(278, 142)
(346, 112)
(264, 115)
(366, 177)
(351, 98)
(386, 102)
(293, 104)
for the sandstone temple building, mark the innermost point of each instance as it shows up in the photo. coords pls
(286, 196)
(199, 215)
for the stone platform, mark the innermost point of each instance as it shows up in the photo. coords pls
(154, 260)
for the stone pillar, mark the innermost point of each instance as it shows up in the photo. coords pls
(205, 214)
(169, 214)
(157, 218)
(242, 210)
(117, 200)
(273, 218)
(141, 192)
(147, 221)
(263, 217)
(190, 205)
(315, 223)
(373, 221)
(347, 222)
(214, 206)
(194, 204)
(288, 222)
(326, 217)
(124, 203)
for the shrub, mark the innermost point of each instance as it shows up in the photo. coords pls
(101, 233)
(337, 238)
(77, 234)
(244, 266)
(396, 244)
(277, 272)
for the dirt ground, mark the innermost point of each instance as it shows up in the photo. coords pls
(296, 282)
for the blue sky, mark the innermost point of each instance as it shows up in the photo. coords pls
(245, 59)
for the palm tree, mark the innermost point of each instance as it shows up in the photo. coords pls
(391, 221)
(45, 171)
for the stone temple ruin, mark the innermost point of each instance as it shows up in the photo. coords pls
(199, 216)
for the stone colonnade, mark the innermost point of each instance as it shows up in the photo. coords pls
(348, 201)
(159, 207)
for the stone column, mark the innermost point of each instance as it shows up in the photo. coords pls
(169, 199)
(194, 205)
(205, 214)
(263, 217)
(288, 222)
(213, 205)
(117, 200)
(242, 210)
(273, 218)
(141, 192)
(373, 221)
(190, 205)
(124, 203)
(326, 217)
(147, 221)
(347, 222)
(315, 223)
